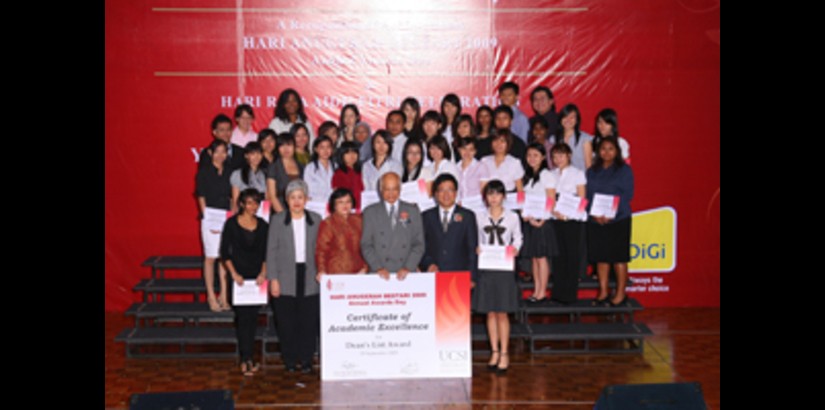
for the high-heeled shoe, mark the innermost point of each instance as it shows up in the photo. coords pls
(213, 304)
(502, 370)
(600, 302)
(619, 303)
(493, 366)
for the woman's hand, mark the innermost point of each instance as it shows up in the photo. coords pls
(274, 288)
(261, 279)
(237, 278)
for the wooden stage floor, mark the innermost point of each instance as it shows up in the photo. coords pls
(685, 348)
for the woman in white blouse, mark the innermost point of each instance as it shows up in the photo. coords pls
(571, 260)
(288, 112)
(319, 171)
(381, 162)
(472, 174)
(438, 149)
(539, 237)
(413, 162)
(503, 166)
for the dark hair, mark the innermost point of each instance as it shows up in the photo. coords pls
(344, 109)
(565, 111)
(463, 118)
(266, 133)
(384, 135)
(246, 169)
(345, 148)
(494, 186)
(339, 193)
(598, 162)
(545, 89)
(531, 177)
(283, 139)
(294, 130)
(326, 126)
(561, 148)
(280, 111)
(220, 118)
(609, 116)
(432, 115)
(463, 142)
(503, 133)
(412, 102)
(502, 108)
(396, 112)
(441, 143)
(508, 85)
(244, 108)
(406, 177)
(454, 100)
(215, 143)
(314, 157)
(492, 118)
(442, 179)
(537, 120)
(249, 193)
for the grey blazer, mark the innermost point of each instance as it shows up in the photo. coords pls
(280, 252)
(383, 247)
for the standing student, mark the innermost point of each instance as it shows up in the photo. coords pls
(463, 127)
(319, 171)
(382, 160)
(609, 239)
(251, 175)
(290, 267)
(450, 232)
(484, 129)
(289, 111)
(363, 141)
(412, 112)
(508, 93)
(539, 236)
(267, 139)
(285, 168)
(441, 156)
(414, 168)
(496, 292)
(450, 109)
(222, 130)
(578, 140)
(348, 173)
(339, 237)
(243, 252)
(571, 261)
(430, 124)
(503, 120)
(472, 174)
(300, 134)
(213, 190)
(539, 134)
(544, 105)
(607, 125)
(243, 132)
(501, 165)
(395, 127)
(346, 123)
(331, 130)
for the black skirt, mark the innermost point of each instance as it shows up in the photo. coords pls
(496, 291)
(609, 243)
(538, 242)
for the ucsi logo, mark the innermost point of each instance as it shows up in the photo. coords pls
(653, 241)
(453, 355)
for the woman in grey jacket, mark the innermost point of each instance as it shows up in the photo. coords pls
(290, 267)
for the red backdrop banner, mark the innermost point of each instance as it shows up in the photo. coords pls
(172, 65)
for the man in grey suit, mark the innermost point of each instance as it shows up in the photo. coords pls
(392, 238)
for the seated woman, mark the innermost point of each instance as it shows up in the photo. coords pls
(338, 249)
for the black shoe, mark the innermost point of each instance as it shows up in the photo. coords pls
(620, 303)
(502, 370)
(600, 302)
(290, 368)
(492, 367)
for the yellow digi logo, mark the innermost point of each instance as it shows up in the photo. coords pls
(653, 241)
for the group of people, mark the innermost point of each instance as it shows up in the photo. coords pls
(458, 158)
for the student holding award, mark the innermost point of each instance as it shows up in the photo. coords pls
(571, 261)
(539, 238)
(243, 252)
(609, 237)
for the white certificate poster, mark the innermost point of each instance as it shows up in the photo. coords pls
(536, 206)
(572, 207)
(264, 210)
(249, 294)
(318, 207)
(215, 218)
(474, 203)
(377, 329)
(604, 205)
(496, 258)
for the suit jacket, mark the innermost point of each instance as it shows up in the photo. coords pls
(392, 249)
(280, 252)
(454, 250)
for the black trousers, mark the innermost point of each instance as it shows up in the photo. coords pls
(246, 323)
(297, 319)
(568, 263)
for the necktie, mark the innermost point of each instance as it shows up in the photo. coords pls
(392, 216)
(445, 221)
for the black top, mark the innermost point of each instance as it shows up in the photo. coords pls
(246, 249)
(485, 147)
(213, 186)
(552, 122)
(277, 172)
(234, 158)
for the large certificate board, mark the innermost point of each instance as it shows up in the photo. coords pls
(377, 329)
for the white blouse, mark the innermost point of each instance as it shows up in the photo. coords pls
(508, 172)
(567, 181)
(319, 180)
(546, 181)
(505, 231)
(370, 174)
(444, 167)
(471, 178)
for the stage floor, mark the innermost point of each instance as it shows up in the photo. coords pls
(685, 348)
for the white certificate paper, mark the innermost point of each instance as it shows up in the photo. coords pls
(474, 203)
(535, 206)
(368, 197)
(604, 205)
(496, 258)
(318, 207)
(264, 210)
(249, 294)
(512, 202)
(572, 207)
(215, 218)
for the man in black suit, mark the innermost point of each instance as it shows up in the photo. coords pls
(222, 130)
(450, 232)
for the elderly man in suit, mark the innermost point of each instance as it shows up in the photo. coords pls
(450, 231)
(392, 239)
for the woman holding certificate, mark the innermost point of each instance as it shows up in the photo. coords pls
(290, 267)
(609, 191)
(539, 237)
(569, 227)
(243, 252)
(496, 293)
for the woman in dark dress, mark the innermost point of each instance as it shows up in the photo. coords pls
(285, 168)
